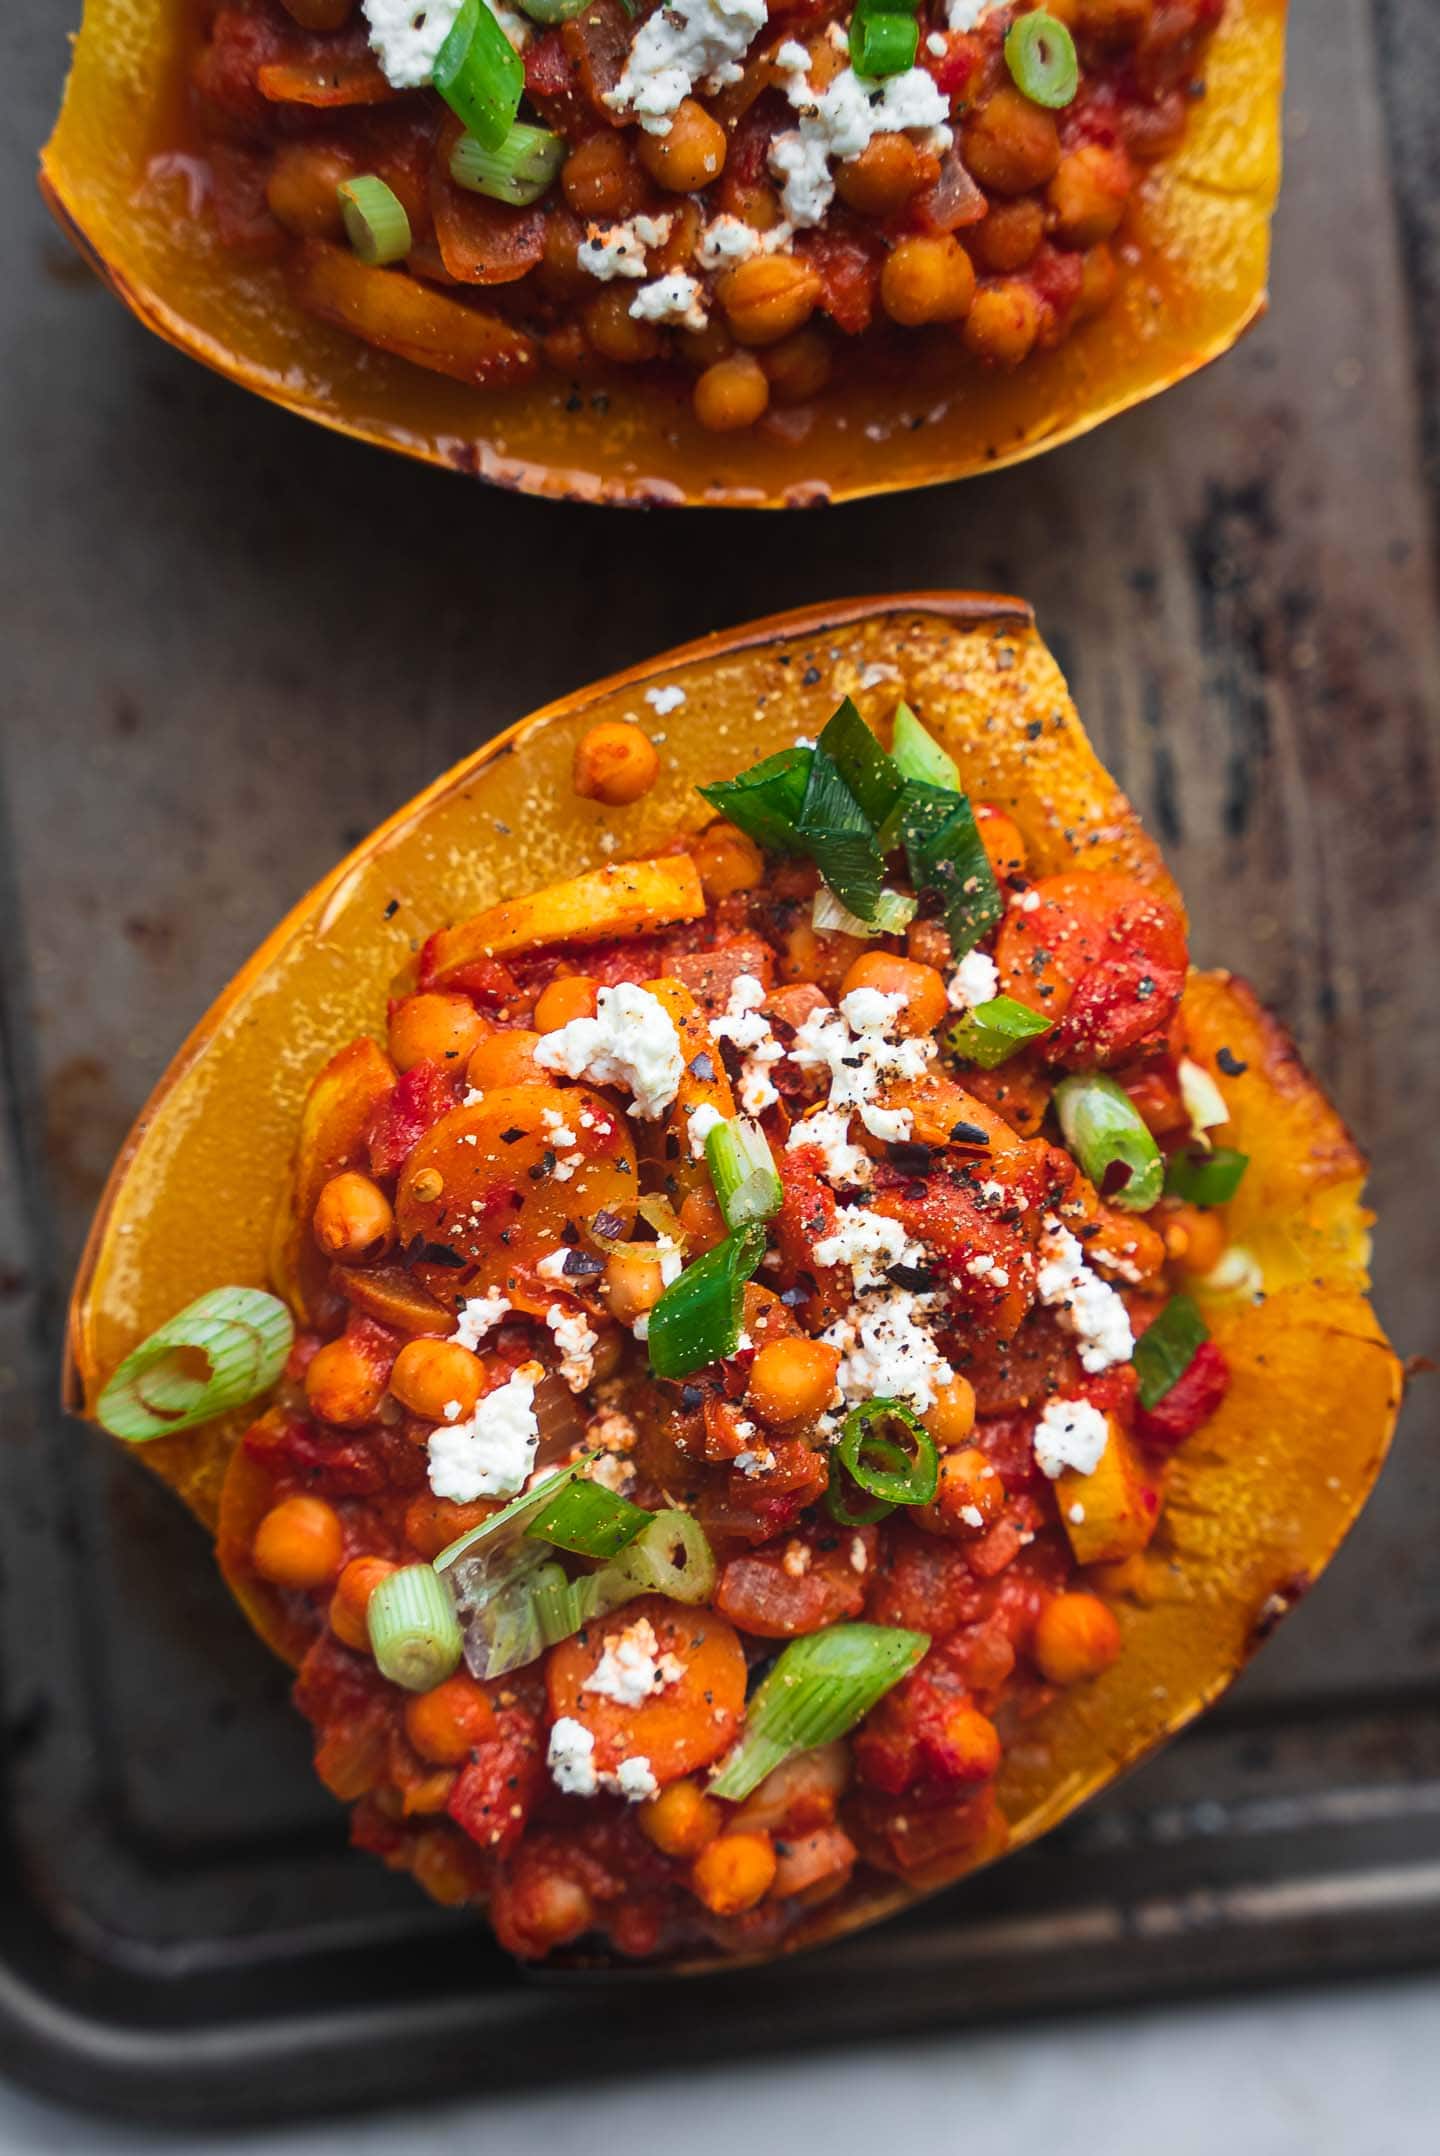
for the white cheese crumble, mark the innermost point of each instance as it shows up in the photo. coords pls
(677, 299)
(576, 1342)
(630, 1041)
(571, 1758)
(937, 45)
(975, 980)
(492, 1453)
(406, 35)
(479, 1315)
(552, 1266)
(853, 1044)
(745, 1026)
(633, 1779)
(969, 14)
(610, 251)
(868, 1243)
(886, 1351)
(758, 1461)
(1090, 1307)
(727, 240)
(1070, 1433)
(704, 1117)
(632, 1669)
(682, 43)
(663, 701)
(828, 1129)
(838, 122)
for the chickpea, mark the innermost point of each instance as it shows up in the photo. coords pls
(690, 156)
(973, 1743)
(557, 1909)
(448, 1866)
(351, 1599)
(433, 1378)
(1194, 1239)
(702, 1220)
(726, 860)
(1076, 1637)
(927, 280)
(798, 367)
(566, 349)
(301, 189)
(1003, 322)
(632, 1282)
(343, 1386)
(754, 201)
(675, 252)
(970, 1498)
(353, 1218)
(1088, 194)
(731, 394)
(680, 1820)
(792, 1380)
(1098, 279)
(1011, 145)
(299, 1544)
(433, 1523)
(559, 268)
(615, 762)
(435, 1027)
(768, 297)
(600, 179)
(928, 942)
(734, 1872)
(888, 171)
(952, 1417)
(614, 332)
(701, 348)
(567, 997)
(505, 1058)
(446, 1723)
(926, 1002)
(1007, 236)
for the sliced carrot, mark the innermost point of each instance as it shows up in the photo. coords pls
(682, 1728)
(391, 310)
(627, 899)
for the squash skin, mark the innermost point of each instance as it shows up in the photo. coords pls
(1256, 1504)
(1202, 247)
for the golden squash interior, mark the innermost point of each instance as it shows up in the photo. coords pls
(1195, 279)
(1256, 1504)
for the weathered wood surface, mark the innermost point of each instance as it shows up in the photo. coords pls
(232, 643)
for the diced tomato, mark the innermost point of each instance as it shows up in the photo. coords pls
(495, 1791)
(922, 1583)
(848, 258)
(953, 68)
(753, 1508)
(427, 1092)
(1189, 1403)
(800, 1585)
(806, 1216)
(710, 975)
(359, 1464)
(1102, 958)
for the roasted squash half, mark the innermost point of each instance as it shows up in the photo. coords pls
(1193, 280)
(1256, 1506)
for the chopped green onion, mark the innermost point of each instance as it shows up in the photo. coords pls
(591, 1521)
(742, 1168)
(893, 913)
(553, 11)
(697, 1319)
(1204, 1102)
(868, 773)
(220, 1352)
(817, 1690)
(1166, 1348)
(890, 1453)
(1104, 1130)
(518, 172)
(537, 1611)
(1040, 54)
(993, 1032)
(918, 755)
(882, 43)
(1206, 1178)
(942, 844)
(414, 1631)
(670, 1557)
(375, 221)
(837, 834)
(480, 75)
(766, 800)
(498, 1536)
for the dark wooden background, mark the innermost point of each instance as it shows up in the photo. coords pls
(230, 643)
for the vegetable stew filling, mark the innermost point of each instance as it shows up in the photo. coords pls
(742, 1327)
(752, 198)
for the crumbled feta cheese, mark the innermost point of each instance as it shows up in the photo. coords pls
(571, 1758)
(682, 43)
(744, 1025)
(1028, 902)
(631, 1669)
(838, 122)
(663, 701)
(869, 1243)
(406, 37)
(887, 1352)
(829, 1131)
(727, 240)
(552, 1266)
(975, 980)
(576, 1342)
(1070, 1433)
(937, 45)
(969, 14)
(795, 1562)
(760, 1460)
(1089, 1306)
(858, 1560)
(853, 1045)
(972, 1516)
(1076, 1513)
(704, 1117)
(479, 1315)
(678, 299)
(492, 1453)
(630, 1041)
(613, 1473)
(610, 251)
(634, 1779)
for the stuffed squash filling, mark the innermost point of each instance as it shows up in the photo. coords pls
(748, 200)
(735, 1326)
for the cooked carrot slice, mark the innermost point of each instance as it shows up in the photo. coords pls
(387, 308)
(625, 900)
(685, 1725)
(331, 79)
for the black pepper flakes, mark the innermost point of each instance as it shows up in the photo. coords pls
(1230, 1063)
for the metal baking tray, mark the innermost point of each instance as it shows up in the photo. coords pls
(232, 643)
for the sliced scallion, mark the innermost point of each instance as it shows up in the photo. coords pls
(838, 835)
(670, 1557)
(992, 1032)
(1104, 1130)
(867, 771)
(882, 42)
(918, 755)
(414, 1632)
(480, 75)
(591, 1521)
(817, 1690)
(697, 1319)
(1040, 54)
(942, 843)
(553, 11)
(1206, 1178)
(535, 1612)
(888, 1451)
(766, 800)
(893, 913)
(742, 1168)
(518, 172)
(1167, 1347)
(375, 221)
(497, 1537)
(220, 1352)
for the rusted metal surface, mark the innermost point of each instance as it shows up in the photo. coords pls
(233, 643)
